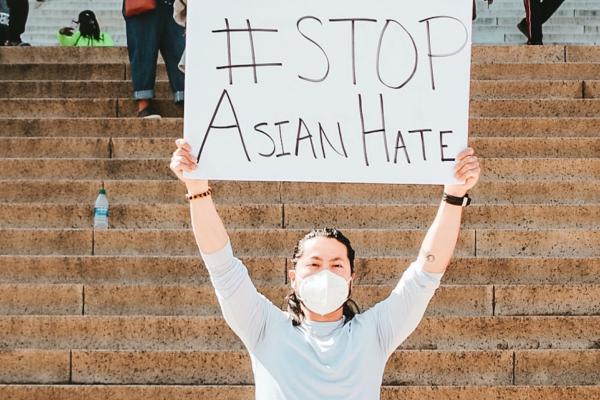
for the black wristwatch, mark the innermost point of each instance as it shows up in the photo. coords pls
(457, 201)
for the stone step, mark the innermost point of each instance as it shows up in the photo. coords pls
(32, 299)
(122, 89)
(303, 216)
(233, 192)
(173, 127)
(109, 169)
(68, 147)
(35, 366)
(534, 127)
(97, 107)
(195, 300)
(129, 216)
(537, 108)
(497, 243)
(78, 71)
(591, 89)
(244, 392)
(554, 21)
(51, 108)
(87, 89)
(484, 71)
(562, 30)
(127, 108)
(274, 242)
(536, 71)
(176, 270)
(170, 270)
(516, 5)
(142, 148)
(482, 89)
(404, 367)
(180, 333)
(405, 216)
(547, 300)
(590, 37)
(175, 300)
(481, 54)
(486, 147)
(135, 191)
(116, 71)
(582, 54)
(91, 127)
(518, 12)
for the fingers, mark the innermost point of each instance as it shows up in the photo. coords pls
(184, 150)
(465, 153)
(185, 155)
(469, 162)
(182, 159)
(472, 173)
(182, 144)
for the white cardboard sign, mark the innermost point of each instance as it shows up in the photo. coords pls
(328, 91)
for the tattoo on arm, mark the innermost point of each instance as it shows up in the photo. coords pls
(429, 257)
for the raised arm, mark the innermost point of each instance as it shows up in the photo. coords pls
(397, 316)
(246, 311)
(209, 231)
(439, 243)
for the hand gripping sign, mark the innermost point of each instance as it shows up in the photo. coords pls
(328, 91)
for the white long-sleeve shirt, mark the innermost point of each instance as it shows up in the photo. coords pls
(317, 360)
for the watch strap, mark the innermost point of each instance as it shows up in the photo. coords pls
(457, 201)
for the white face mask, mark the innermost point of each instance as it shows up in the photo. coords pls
(323, 292)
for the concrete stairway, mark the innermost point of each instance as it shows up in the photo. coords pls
(129, 313)
(577, 21)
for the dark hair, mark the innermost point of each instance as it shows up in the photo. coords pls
(88, 25)
(350, 308)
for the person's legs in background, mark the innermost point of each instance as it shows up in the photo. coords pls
(19, 10)
(533, 22)
(536, 15)
(548, 8)
(143, 40)
(172, 45)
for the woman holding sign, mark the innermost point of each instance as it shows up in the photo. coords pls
(322, 347)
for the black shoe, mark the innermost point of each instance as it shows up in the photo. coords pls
(17, 43)
(522, 27)
(148, 112)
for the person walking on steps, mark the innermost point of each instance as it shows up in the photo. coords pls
(537, 12)
(18, 13)
(322, 347)
(147, 33)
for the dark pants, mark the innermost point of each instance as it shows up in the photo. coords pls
(19, 9)
(537, 12)
(147, 34)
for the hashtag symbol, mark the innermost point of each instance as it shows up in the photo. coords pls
(254, 65)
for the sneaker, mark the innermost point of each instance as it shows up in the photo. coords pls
(148, 112)
(16, 43)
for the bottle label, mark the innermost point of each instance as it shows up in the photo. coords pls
(101, 212)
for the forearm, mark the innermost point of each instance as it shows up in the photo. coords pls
(209, 231)
(439, 243)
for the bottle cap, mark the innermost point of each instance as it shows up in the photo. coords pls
(102, 191)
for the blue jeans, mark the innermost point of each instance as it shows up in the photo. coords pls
(147, 34)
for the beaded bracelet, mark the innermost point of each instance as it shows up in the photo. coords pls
(191, 197)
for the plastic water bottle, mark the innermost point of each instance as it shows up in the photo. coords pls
(101, 210)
